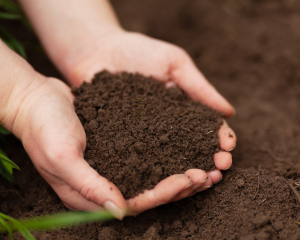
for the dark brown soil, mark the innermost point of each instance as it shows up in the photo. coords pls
(137, 128)
(250, 51)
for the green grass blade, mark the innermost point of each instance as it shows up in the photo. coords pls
(10, 6)
(10, 16)
(7, 227)
(65, 219)
(19, 47)
(12, 42)
(9, 164)
(4, 130)
(5, 173)
(52, 222)
(6, 167)
(23, 230)
(15, 224)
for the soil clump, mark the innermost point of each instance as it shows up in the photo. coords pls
(139, 132)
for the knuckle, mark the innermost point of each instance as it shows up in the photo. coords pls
(61, 154)
(180, 53)
(90, 190)
(89, 193)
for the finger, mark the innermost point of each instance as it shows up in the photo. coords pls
(215, 176)
(186, 75)
(198, 176)
(87, 183)
(70, 198)
(163, 193)
(223, 160)
(204, 187)
(227, 137)
(205, 181)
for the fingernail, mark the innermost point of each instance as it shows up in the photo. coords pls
(232, 148)
(229, 167)
(196, 185)
(219, 179)
(202, 188)
(234, 112)
(111, 207)
(190, 184)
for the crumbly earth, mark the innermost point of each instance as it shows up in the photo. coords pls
(139, 132)
(250, 51)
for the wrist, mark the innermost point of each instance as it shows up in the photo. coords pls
(18, 80)
(66, 28)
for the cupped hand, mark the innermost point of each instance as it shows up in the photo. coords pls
(133, 52)
(55, 141)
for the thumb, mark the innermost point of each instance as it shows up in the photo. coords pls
(186, 75)
(80, 187)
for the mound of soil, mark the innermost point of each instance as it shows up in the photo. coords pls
(139, 132)
(247, 204)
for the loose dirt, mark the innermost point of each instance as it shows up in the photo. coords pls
(250, 51)
(138, 132)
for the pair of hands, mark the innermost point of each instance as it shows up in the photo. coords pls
(55, 140)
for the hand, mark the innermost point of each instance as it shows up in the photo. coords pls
(55, 141)
(122, 51)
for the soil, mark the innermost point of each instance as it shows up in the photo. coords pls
(250, 51)
(146, 132)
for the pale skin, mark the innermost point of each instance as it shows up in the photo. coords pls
(82, 38)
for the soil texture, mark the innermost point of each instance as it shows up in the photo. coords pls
(249, 50)
(139, 132)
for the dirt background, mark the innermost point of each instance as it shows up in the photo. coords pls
(250, 51)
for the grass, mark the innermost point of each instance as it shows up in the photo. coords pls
(11, 11)
(6, 165)
(50, 222)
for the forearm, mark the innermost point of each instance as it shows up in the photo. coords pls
(17, 80)
(66, 27)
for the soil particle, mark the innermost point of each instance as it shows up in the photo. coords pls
(240, 183)
(143, 130)
(107, 233)
(260, 220)
(151, 234)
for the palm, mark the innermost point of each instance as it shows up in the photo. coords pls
(55, 141)
(133, 52)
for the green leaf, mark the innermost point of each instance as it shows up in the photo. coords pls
(10, 16)
(5, 224)
(23, 230)
(6, 167)
(15, 224)
(4, 130)
(11, 42)
(10, 6)
(51, 221)
(66, 219)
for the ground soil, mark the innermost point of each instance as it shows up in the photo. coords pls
(144, 132)
(250, 51)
